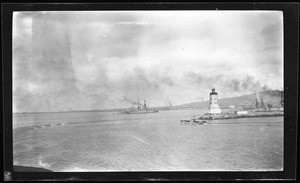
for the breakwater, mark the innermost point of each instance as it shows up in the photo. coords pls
(250, 114)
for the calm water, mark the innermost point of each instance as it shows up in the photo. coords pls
(103, 141)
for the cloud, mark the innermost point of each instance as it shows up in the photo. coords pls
(141, 82)
(130, 23)
(93, 60)
(272, 35)
(203, 80)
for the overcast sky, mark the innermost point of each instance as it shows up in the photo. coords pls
(98, 60)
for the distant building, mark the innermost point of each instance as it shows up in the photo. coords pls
(241, 112)
(214, 107)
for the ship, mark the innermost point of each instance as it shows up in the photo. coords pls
(193, 121)
(141, 109)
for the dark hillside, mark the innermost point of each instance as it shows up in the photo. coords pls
(272, 97)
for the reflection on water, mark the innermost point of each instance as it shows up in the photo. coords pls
(98, 141)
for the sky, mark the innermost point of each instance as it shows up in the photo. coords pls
(89, 60)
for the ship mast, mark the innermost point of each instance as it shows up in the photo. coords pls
(262, 105)
(145, 105)
(256, 101)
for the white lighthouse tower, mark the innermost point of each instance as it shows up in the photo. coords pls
(214, 107)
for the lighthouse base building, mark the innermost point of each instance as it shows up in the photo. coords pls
(214, 107)
(215, 110)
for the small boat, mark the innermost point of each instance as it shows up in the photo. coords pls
(199, 122)
(184, 122)
(192, 121)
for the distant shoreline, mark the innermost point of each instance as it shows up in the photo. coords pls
(273, 97)
(104, 110)
(120, 110)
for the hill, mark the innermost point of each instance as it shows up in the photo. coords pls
(272, 97)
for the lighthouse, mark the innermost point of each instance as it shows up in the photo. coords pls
(214, 107)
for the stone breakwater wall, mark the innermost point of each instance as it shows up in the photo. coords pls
(208, 116)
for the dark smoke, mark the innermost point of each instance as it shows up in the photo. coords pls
(236, 85)
(243, 84)
(125, 99)
(265, 88)
(247, 84)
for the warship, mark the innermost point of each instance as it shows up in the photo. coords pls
(141, 109)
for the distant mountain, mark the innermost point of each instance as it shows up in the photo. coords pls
(272, 97)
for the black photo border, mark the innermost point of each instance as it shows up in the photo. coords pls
(291, 73)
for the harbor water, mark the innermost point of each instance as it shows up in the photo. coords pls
(107, 141)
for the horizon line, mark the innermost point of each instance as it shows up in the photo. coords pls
(115, 109)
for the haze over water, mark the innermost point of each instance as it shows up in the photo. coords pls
(104, 141)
